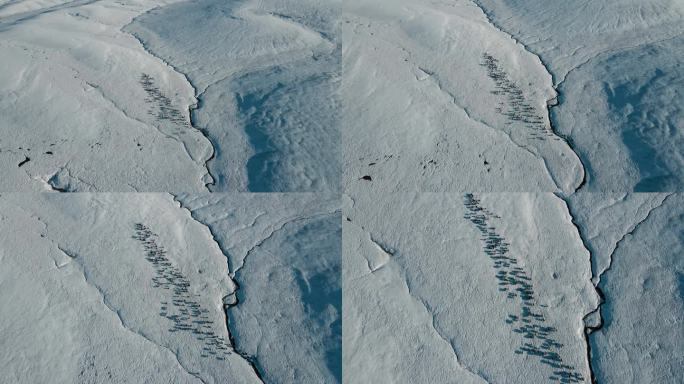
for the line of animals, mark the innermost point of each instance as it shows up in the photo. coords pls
(516, 107)
(162, 108)
(537, 338)
(183, 309)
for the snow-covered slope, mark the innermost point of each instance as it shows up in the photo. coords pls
(266, 76)
(120, 288)
(85, 108)
(87, 105)
(284, 253)
(124, 287)
(618, 66)
(492, 288)
(452, 288)
(438, 99)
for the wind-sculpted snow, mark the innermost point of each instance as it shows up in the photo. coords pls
(618, 69)
(506, 292)
(283, 251)
(642, 337)
(280, 108)
(628, 125)
(266, 77)
(604, 219)
(311, 326)
(436, 99)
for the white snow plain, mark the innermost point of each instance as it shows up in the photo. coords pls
(121, 288)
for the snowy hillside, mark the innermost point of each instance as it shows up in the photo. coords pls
(131, 288)
(85, 108)
(328, 191)
(306, 96)
(110, 96)
(618, 67)
(504, 288)
(437, 99)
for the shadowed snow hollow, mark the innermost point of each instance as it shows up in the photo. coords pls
(284, 252)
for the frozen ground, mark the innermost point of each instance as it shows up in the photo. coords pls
(120, 288)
